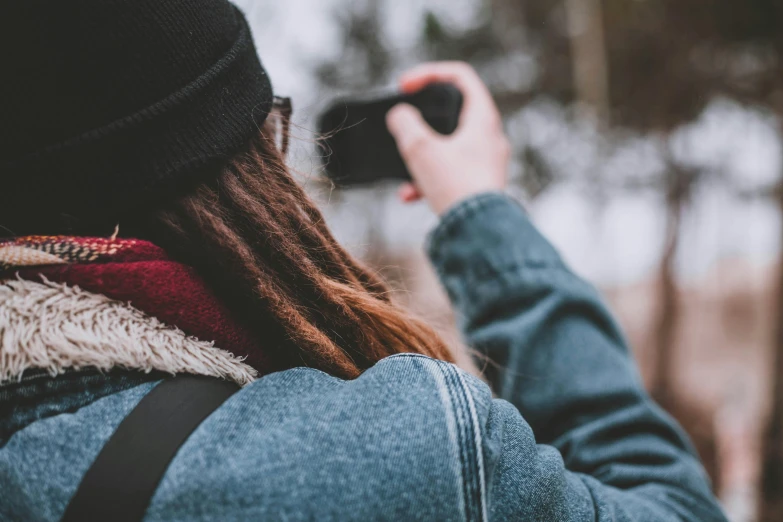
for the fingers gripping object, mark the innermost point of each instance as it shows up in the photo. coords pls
(359, 147)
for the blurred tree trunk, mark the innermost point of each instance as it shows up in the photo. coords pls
(588, 50)
(590, 70)
(668, 301)
(694, 418)
(678, 184)
(507, 16)
(771, 509)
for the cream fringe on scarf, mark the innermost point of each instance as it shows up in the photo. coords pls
(57, 327)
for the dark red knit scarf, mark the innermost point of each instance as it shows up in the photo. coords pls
(136, 272)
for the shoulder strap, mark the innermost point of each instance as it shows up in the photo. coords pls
(126, 473)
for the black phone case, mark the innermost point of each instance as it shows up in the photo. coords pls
(359, 148)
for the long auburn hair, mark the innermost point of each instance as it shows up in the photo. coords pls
(262, 245)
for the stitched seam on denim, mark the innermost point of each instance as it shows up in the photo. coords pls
(452, 424)
(459, 413)
(407, 355)
(477, 441)
(469, 450)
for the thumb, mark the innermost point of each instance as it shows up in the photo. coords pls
(409, 129)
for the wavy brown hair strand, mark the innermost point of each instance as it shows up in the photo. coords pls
(263, 246)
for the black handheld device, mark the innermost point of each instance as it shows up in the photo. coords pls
(359, 148)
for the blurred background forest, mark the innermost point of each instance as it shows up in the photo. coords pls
(647, 138)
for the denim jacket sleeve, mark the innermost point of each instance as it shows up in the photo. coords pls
(573, 435)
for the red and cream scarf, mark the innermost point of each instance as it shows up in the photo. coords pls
(133, 273)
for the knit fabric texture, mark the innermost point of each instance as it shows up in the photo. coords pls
(107, 106)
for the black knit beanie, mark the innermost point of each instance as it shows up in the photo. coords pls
(107, 106)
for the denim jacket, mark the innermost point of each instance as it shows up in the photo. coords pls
(569, 434)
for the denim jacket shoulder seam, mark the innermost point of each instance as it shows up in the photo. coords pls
(470, 442)
(407, 356)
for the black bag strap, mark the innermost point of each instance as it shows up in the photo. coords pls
(126, 473)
